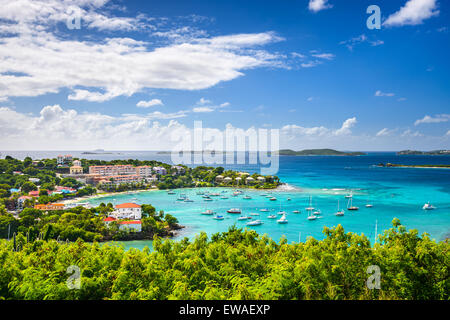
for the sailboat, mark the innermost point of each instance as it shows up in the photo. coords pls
(350, 205)
(311, 216)
(296, 211)
(349, 196)
(281, 211)
(283, 220)
(369, 205)
(339, 213)
(310, 208)
(219, 217)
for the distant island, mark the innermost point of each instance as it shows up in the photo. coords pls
(429, 166)
(424, 153)
(318, 152)
(97, 151)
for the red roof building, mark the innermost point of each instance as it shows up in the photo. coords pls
(109, 219)
(127, 205)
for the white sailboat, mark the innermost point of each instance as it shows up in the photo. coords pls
(310, 208)
(283, 220)
(350, 205)
(339, 213)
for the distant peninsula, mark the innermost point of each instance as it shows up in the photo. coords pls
(426, 166)
(424, 153)
(318, 152)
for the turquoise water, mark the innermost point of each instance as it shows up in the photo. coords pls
(394, 192)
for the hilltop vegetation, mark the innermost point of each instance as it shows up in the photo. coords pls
(424, 153)
(231, 265)
(318, 152)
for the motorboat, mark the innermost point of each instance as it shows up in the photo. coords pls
(247, 197)
(255, 223)
(272, 216)
(244, 218)
(254, 214)
(208, 212)
(234, 211)
(296, 211)
(428, 206)
(218, 217)
(273, 199)
(264, 210)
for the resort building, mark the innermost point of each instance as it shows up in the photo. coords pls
(178, 169)
(127, 211)
(249, 180)
(76, 163)
(76, 170)
(144, 171)
(50, 206)
(160, 170)
(126, 169)
(227, 179)
(219, 178)
(63, 159)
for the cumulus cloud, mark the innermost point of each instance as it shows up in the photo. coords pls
(346, 126)
(318, 5)
(436, 119)
(36, 60)
(150, 103)
(412, 13)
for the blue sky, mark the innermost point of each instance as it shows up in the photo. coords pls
(137, 71)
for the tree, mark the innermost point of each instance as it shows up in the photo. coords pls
(28, 186)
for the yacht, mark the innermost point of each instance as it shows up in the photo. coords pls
(234, 210)
(310, 208)
(296, 211)
(264, 210)
(254, 214)
(283, 220)
(350, 205)
(207, 199)
(317, 213)
(428, 206)
(369, 205)
(247, 197)
(272, 216)
(312, 217)
(223, 197)
(339, 213)
(273, 199)
(349, 196)
(170, 192)
(208, 212)
(243, 218)
(255, 223)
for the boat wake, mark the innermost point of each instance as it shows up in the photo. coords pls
(288, 187)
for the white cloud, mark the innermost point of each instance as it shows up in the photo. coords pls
(383, 132)
(379, 93)
(326, 56)
(310, 99)
(202, 109)
(151, 103)
(437, 119)
(411, 134)
(346, 126)
(318, 5)
(351, 43)
(413, 12)
(203, 101)
(35, 59)
(298, 55)
(448, 133)
(311, 64)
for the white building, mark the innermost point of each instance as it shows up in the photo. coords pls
(144, 171)
(160, 170)
(128, 211)
(135, 225)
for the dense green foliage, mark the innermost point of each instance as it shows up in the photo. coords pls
(232, 265)
(82, 223)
